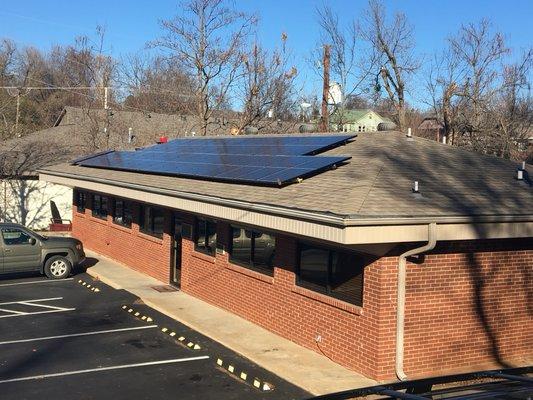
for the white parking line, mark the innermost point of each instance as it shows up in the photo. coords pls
(35, 313)
(33, 300)
(32, 303)
(79, 334)
(36, 282)
(85, 371)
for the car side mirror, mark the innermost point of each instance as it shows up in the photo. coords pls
(33, 241)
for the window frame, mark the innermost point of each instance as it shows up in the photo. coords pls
(327, 289)
(205, 248)
(78, 194)
(151, 220)
(96, 212)
(252, 265)
(114, 212)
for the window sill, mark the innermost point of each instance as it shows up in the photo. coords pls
(351, 308)
(204, 257)
(151, 238)
(121, 227)
(251, 273)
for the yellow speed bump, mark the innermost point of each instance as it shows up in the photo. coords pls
(88, 286)
(255, 382)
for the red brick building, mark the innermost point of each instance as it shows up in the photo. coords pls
(351, 262)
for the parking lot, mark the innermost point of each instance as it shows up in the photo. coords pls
(81, 339)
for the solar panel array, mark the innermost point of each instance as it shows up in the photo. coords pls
(258, 160)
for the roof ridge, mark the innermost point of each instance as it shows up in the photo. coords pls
(371, 187)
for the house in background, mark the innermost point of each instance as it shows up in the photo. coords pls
(358, 121)
(337, 261)
(431, 128)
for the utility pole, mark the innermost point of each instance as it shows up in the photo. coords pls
(324, 120)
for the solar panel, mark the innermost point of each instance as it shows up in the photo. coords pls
(258, 160)
(282, 145)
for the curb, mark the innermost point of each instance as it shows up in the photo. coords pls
(257, 383)
(92, 288)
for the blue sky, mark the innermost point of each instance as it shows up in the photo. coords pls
(130, 24)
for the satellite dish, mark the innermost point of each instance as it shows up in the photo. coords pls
(335, 94)
(305, 105)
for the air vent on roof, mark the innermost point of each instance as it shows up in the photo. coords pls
(520, 171)
(409, 134)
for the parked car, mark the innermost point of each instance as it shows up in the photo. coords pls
(23, 250)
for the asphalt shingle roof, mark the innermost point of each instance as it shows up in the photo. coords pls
(375, 183)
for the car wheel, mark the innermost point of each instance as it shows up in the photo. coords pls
(57, 267)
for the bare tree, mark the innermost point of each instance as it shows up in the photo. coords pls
(207, 39)
(392, 52)
(345, 64)
(267, 90)
(482, 102)
(157, 84)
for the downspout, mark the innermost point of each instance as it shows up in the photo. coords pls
(400, 308)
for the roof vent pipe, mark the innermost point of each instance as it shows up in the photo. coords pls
(520, 175)
(130, 135)
(523, 168)
(409, 134)
(415, 187)
(444, 140)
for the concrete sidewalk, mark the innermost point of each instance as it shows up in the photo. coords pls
(298, 365)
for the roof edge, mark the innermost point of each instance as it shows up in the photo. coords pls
(310, 216)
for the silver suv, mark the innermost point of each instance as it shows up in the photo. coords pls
(23, 250)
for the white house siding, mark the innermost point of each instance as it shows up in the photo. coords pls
(27, 202)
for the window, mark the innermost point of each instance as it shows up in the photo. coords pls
(122, 212)
(252, 249)
(151, 220)
(205, 236)
(99, 206)
(81, 200)
(14, 236)
(335, 273)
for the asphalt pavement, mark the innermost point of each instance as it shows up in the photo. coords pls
(81, 339)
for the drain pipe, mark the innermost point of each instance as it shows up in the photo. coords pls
(400, 306)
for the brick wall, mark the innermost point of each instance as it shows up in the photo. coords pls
(468, 304)
(142, 252)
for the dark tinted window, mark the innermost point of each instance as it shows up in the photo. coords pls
(151, 220)
(346, 281)
(122, 213)
(99, 206)
(252, 249)
(81, 200)
(314, 264)
(205, 236)
(336, 273)
(14, 236)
